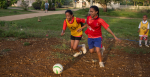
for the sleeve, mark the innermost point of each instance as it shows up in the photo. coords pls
(45, 4)
(139, 25)
(148, 26)
(80, 20)
(103, 23)
(64, 25)
(48, 3)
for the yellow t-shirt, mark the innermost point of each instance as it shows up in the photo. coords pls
(143, 27)
(74, 27)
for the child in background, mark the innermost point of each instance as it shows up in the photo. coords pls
(46, 6)
(143, 31)
(74, 23)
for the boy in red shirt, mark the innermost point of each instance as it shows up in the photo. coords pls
(94, 33)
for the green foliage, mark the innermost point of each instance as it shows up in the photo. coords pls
(6, 3)
(37, 5)
(25, 5)
(10, 29)
(42, 5)
(26, 44)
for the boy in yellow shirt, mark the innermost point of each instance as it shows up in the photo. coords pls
(143, 31)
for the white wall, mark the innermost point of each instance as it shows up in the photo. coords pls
(19, 2)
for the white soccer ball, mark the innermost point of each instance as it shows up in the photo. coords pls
(57, 68)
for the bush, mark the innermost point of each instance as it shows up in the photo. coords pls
(6, 3)
(37, 5)
(43, 5)
(58, 5)
(25, 5)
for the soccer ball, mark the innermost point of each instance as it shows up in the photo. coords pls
(57, 68)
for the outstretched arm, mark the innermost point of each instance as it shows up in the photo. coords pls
(112, 34)
(80, 29)
(64, 28)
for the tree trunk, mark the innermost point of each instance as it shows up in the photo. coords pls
(104, 8)
(134, 3)
(143, 3)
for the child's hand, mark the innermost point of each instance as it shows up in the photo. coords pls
(62, 34)
(145, 32)
(117, 39)
(79, 30)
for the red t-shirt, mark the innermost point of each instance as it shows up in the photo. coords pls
(94, 29)
(79, 20)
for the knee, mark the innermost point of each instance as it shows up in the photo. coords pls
(91, 51)
(74, 48)
(98, 51)
(71, 47)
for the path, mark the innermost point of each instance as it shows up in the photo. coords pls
(32, 15)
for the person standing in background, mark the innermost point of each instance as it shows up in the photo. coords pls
(46, 7)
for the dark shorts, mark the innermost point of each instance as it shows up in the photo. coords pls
(75, 38)
(94, 42)
(46, 8)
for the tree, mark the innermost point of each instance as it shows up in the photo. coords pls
(103, 3)
(141, 1)
(6, 3)
(25, 5)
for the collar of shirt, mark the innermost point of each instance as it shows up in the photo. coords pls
(71, 20)
(93, 18)
(144, 22)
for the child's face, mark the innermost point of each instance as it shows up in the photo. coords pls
(93, 13)
(68, 16)
(144, 18)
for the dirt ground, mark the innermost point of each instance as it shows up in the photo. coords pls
(38, 58)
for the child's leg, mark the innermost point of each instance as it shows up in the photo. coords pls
(92, 50)
(99, 54)
(76, 47)
(140, 41)
(72, 43)
(146, 42)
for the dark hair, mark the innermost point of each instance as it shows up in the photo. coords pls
(96, 9)
(145, 15)
(69, 11)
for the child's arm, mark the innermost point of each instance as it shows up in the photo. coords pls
(139, 30)
(112, 34)
(146, 31)
(64, 28)
(80, 29)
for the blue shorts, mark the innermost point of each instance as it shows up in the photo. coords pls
(94, 42)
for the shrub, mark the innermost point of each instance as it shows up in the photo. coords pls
(37, 5)
(43, 5)
(25, 5)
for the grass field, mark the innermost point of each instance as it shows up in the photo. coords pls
(123, 28)
(118, 13)
(31, 48)
(8, 12)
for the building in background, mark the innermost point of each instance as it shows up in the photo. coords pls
(18, 4)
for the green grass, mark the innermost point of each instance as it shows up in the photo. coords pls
(5, 50)
(26, 44)
(8, 12)
(62, 56)
(118, 13)
(52, 25)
